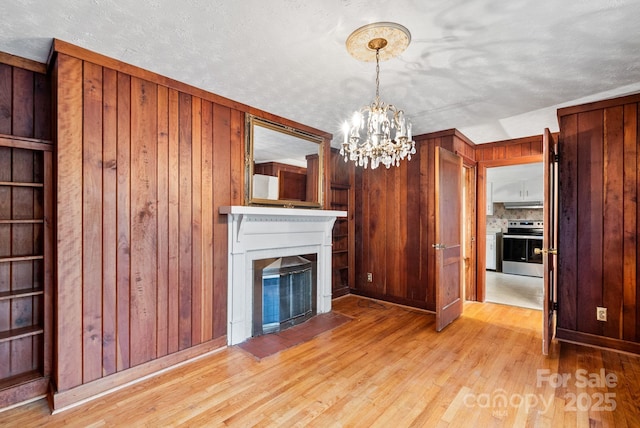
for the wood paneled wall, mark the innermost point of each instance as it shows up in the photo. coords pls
(25, 100)
(395, 224)
(142, 250)
(598, 254)
(509, 150)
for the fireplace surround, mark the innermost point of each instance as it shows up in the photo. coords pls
(257, 233)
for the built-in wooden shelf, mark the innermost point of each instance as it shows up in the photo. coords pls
(16, 294)
(340, 186)
(19, 333)
(20, 258)
(20, 184)
(23, 221)
(20, 379)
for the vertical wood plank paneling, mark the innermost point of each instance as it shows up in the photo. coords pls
(365, 259)
(163, 221)
(590, 211)
(403, 232)
(123, 258)
(196, 220)
(6, 96)
(185, 244)
(208, 260)
(146, 168)
(567, 223)
(92, 223)
(536, 147)
(637, 282)
(143, 220)
(391, 211)
(222, 140)
(361, 220)
(42, 107)
(412, 228)
(22, 109)
(69, 218)
(426, 211)
(630, 219)
(613, 224)
(514, 151)
(377, 241)
(109, 219)
(173, 313)
(396, 212)
(236, 158)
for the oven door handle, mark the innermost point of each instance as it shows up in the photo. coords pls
(538, 251)
(522, 237)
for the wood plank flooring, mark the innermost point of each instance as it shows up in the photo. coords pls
(387, 367)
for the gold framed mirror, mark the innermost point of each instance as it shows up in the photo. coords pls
(284, 165)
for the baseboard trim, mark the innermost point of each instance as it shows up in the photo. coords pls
(609, 343)
(64, 400)
(416, 304)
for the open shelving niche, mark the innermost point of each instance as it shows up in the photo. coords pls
(343, 229)
(25, 257)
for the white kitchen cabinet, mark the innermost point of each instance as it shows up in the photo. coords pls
(507, 191)
(491, 251)
(533, 190)
(518, 191)
(517, 183)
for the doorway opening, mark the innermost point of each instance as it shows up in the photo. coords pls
(513, 272)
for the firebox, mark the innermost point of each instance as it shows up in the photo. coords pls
(284, 292)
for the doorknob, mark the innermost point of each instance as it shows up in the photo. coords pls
(545, 251)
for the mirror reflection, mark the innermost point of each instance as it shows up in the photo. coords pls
(285, 165)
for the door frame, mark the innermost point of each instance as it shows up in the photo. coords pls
(481, 223)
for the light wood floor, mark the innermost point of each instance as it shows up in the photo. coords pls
(515, 290)
(387, 367)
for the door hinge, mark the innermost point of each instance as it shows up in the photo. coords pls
(554, 306)
(556, 157)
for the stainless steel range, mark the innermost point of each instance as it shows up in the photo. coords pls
(518, 248)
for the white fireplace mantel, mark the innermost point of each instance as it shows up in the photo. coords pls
(262, 232)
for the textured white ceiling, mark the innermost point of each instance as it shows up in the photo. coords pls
(494, 69)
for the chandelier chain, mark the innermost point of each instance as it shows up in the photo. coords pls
(377, 74)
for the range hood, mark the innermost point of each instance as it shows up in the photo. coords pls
(528, 205)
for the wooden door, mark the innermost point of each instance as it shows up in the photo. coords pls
(448, 237)
(549, 240)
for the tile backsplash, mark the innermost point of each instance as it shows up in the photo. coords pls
(501, 216)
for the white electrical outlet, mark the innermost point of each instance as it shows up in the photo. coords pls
(369, 277)
(601, 313)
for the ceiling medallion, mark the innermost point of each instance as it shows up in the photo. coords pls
(378, 41)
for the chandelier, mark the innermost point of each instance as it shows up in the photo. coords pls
(379, 41)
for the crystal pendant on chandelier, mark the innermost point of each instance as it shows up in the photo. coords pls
(388, 137)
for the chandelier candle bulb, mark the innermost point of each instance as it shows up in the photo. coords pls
(386, 40)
